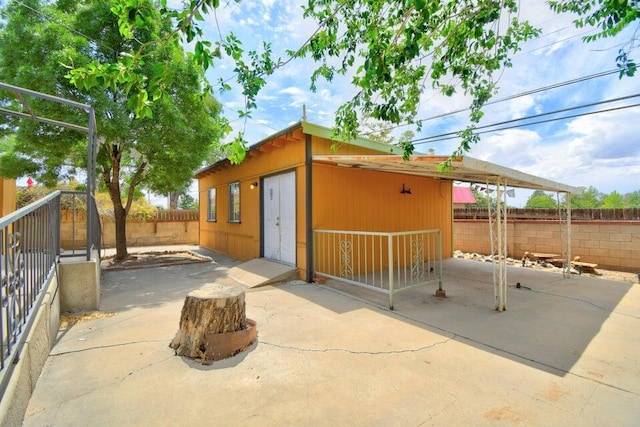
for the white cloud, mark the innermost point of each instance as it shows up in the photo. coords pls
(598, 150)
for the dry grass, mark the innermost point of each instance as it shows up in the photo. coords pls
(67, 320)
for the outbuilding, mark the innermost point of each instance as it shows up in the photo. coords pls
(355, 211)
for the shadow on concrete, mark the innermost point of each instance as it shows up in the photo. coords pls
(218, 365)
(127, 289)
(549, 321)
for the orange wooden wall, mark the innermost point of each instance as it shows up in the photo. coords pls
(8, 194)
(242, 240)
(342, 198)
(362, 200)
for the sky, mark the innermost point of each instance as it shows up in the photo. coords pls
(600, 150)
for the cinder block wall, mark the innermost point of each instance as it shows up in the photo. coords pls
(148, 233)
(609, 244)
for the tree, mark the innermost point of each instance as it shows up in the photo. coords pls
(482, 201)
(610, 17)
(613, 200)
(187, 202)
(395, 49)
(376, 131)
(632, 200)
(540, 199)
(590, 198)
(158, 153)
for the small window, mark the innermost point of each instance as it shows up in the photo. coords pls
(234, 202)
(211, 205)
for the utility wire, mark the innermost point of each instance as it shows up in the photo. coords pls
(562, 110)
(510, 97)
(444, 138)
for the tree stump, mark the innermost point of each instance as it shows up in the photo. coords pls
(213, 324)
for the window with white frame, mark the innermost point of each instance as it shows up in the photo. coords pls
(234, 202)
(211, 205)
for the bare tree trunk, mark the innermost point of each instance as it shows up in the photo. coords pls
(111, 178)
(173, 200)
(121, 234)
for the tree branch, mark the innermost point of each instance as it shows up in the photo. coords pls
(138, 176)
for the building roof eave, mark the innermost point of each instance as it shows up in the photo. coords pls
(465, 169)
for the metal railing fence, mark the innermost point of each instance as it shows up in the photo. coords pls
(29, 255)
(385, 262)
(87, 223)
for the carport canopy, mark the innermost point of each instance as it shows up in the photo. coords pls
(464, 169)
(468, 169)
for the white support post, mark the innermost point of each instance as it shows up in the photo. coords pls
(564, 218)
(498, 238)
(391, 258)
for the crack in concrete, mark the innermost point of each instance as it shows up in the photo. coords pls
(112, 383)
(100, 347)
(356, 352)
(458, 337)
(148, 365)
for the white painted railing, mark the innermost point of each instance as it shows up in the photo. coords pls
(385, 262)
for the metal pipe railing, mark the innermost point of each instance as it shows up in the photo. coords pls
(385, 262)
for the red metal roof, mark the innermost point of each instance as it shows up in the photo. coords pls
(463, 195)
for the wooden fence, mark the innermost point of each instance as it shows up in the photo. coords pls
(160, 215)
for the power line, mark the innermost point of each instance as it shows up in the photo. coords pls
(510, 97)
(445, 137)
(562, 110)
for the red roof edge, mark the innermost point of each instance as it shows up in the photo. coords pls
(463, 195)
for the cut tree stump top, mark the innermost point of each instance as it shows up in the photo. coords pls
(219, 292)
(215, 311)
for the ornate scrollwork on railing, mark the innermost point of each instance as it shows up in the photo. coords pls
(417, 261)
(13, 284)
(346, 266)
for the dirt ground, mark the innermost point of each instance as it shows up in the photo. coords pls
(620, 276)
(153, 259)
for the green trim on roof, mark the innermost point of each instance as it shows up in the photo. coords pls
(324, 132)
(319, 131)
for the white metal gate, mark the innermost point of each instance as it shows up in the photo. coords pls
(279, 196)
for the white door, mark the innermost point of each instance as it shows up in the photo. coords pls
(279, 195)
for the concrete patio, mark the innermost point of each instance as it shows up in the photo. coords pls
(565, 353)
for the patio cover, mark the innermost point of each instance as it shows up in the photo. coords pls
(465, 169)
(468, 169)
